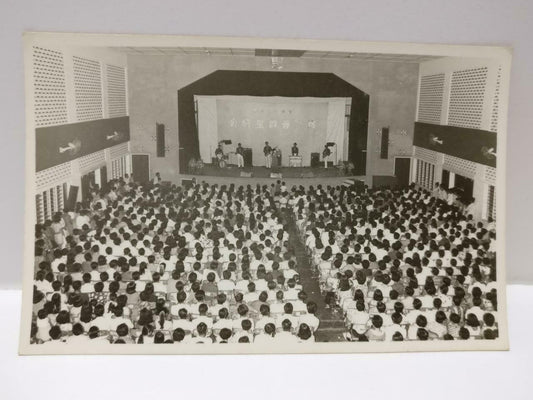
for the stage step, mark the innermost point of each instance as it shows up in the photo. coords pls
(349, 182)
(352, 182)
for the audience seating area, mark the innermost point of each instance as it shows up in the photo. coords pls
(159, 264)
(212, 264)
(402, 264)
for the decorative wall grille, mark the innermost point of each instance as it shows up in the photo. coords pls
(466, 97)
(116, 91)
(496, 103)
(88, 89)
(49, 87)
(430, 99)
(459, 166)
(118, 150)
(429, 156)
(92, 161)
(490, 175)
(52, 176)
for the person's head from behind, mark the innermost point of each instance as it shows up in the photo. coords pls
(55, 332)
(225, 334)
(286, 325)
(159, 337)
(178, 335)
(464, 333)
(201, 329)
(377, 321)
(422, 334)
(270, 329)
(122, 330)
(77, 329)
(304, 331)
(397, 337)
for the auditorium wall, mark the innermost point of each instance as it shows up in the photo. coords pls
(462, 95)
(153, 82)
(78, 95)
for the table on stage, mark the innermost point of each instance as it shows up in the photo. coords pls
(295, 161)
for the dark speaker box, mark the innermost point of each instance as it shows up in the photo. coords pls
(186, 183)
(384, 153)
(247, 155)
(315, 160)
(160, 139)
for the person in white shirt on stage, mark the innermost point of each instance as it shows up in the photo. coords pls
(240, 156)
(325, 155)
(157, 178)
(267, 151)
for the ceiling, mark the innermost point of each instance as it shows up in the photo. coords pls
(208, 51)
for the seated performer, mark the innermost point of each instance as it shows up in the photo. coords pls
(325, 155)
(294, 149)
(240, 156)
(267, 151)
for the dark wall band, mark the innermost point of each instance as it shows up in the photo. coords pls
(469, 144)
(88, 137)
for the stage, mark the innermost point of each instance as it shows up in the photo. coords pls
(260, 175)
(263, 172)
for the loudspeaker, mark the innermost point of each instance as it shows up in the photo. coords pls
(384, 143)
(247, 155)
(315, 160)
(275, 175)
(186, 183)
(72, 196)
(245, 174)
(160, 139)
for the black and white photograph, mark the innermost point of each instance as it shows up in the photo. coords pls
(237, 195)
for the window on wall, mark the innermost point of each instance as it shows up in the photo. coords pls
(50, 201)
(425, 174)
(119, 167)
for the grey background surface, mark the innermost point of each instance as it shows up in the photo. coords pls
(494, 22)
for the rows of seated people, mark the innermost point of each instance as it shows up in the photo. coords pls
(401, 264)
(168, 264)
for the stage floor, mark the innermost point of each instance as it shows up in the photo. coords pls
(262, 172)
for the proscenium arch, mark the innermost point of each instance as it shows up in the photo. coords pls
(273, 83)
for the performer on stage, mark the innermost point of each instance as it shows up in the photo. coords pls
(325, 155)
(219, 154)
(267, 151)
(295, 150)
(240, 156)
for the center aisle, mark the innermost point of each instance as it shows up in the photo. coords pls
(331, 326)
